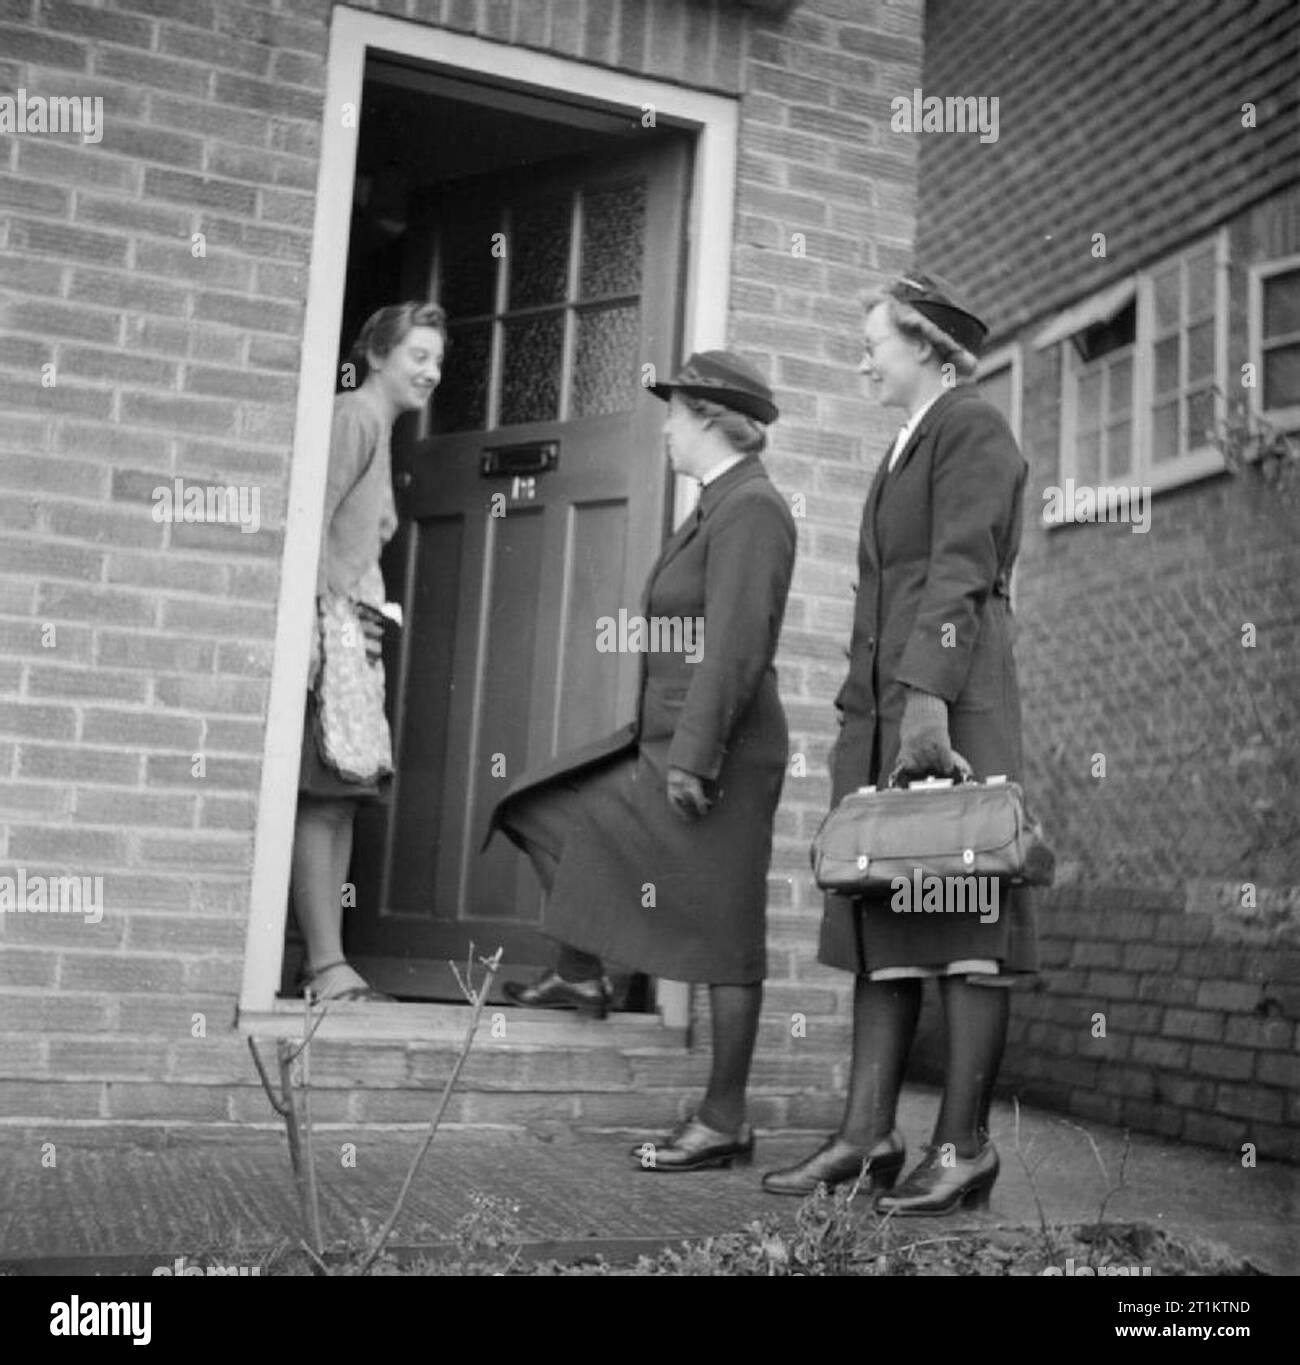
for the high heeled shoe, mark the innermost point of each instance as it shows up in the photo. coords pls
(933, 1189)
(838, 1161)
(694, 1146)
(552, 992)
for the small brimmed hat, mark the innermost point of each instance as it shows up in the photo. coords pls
(722, 378)
(936, 299)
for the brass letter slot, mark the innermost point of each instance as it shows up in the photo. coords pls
(532, 457)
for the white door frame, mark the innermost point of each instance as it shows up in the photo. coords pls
(715, 121)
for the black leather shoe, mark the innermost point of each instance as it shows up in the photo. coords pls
(836, 1162)
(933, 1188)
(694, 1146)
(553, 992)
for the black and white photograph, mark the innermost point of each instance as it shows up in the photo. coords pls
(649, 638)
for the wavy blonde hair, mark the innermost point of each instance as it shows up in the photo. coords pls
(909, 322)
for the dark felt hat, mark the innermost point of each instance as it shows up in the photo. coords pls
(722, 378)
(936, 299)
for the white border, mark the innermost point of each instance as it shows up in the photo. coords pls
(1285, 419)
(714, 119)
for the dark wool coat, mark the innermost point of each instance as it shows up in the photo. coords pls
(940, 534)
(720, 718)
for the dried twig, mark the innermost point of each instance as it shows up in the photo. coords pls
(1043, 1225)
(294, 1106)
(478, 999)
(276, 1104)
(324, 1269)
(308, 1159)
(1112, 1190)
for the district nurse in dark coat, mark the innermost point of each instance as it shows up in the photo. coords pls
(653, 846)
(931, 689)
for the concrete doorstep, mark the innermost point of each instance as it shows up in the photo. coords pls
(125, 1201)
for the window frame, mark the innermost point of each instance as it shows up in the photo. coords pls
(1199, 461)
(1285, 419)
(1008, 357)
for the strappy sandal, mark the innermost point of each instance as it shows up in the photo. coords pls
(307, 982)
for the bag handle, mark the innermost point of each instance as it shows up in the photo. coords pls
(961, 774)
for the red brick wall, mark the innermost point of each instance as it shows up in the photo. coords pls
(172, 366)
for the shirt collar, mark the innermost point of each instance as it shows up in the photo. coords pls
(914, 420)
(720, 469)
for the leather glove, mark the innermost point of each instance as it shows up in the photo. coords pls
(686, 795)
(924, 748)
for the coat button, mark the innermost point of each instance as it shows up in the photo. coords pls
(854, 585)
(848, 653)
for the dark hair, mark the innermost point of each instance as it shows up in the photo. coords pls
(387, 327)
(746, 434)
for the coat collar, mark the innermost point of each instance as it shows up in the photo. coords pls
(883, 473)
(751, 467)
(936, 410)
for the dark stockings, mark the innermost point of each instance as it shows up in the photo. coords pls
(977, 1032)
(885, 1014)
(734, 1011)
(884, 1023)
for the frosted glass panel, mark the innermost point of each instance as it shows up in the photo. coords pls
(460, 402)
(467, 272)
(530, 380)
(605, 366)
(613, 235)
(539, 253)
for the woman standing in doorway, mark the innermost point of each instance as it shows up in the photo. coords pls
(400, 351)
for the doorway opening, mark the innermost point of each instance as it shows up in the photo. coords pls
(533, 493)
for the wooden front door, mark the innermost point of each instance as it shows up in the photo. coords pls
(533, 502)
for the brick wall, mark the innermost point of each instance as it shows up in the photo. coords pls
(128, 647)
(1199, 1002)
(1115, 116)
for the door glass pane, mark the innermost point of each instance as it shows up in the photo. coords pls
(1282, 377)
(1200, 283)
(539, 253)
(467, 275)
(1118, 449)
(1166, 294)
(530, 377)
(605, 371)
(1167, 365)
(1282, 304)
(1200, 351)
(1164, 431)
(460, 401)
(1200, 419)
(613, 238)
(1087, 451)
(1120, 397)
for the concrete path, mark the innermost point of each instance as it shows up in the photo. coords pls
(120, 1200)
